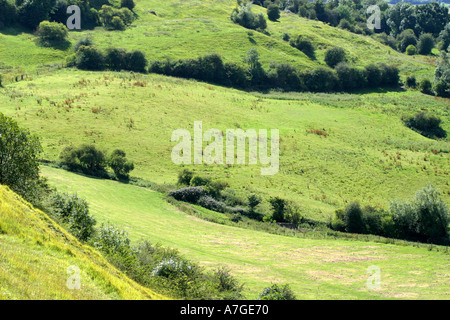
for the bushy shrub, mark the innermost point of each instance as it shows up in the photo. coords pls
(90, 58)
(116, 59)
(8, 13)
(188, 194)
(304, 46)
(390, 75)
(173, 268)
(236, 75)
(426, 87)
(115, 19)
(83, 42)
(411, 50)
(136, 61)
(278, 209)
(442, 76)
(335, 55)
(49, 32)
(426, 124)
(198, 181)
(285, 77)
(411, 81)
(273, 12)
(73, 212)
(406, 38)
(277, 292)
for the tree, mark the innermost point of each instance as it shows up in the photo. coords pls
(444, 38)
(244, 16)
(350, 78)
(116, 59)
(335, 55)
(304, 46)
(119, 164)
(257, 73)
(86, 157)
(185, 177)
(52, 32)
(273, 12)
(19, 156)
(425, 44)
(136, 61)
(400, 17)
(406, 38)
(425, 86)
(431, 18)
(32, 12)
(8, 13)
(374, 75)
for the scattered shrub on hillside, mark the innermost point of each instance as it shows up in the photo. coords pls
(335, 55)
(411, 82)
(304, 46)
(188, 194)
(277, 292)
(210, 203)
(426, 124)
(442, 77)
(278, 209)
(273, 12)
(73, 211)
(406, 38)
(136, 61)
(426, 87)
(244, 16)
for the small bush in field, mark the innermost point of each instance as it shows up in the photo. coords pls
(188, 194)
(277, 292)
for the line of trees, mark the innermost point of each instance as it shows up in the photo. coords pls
(344, 77)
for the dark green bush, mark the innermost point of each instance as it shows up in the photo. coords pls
(188, 194)
(350, 78)
(411, 81)
(210, 203)
(90, 58)
(426, 124)
(83, 42)
(85, 157)
(277, 292)
(273, 12)
(278, 209)
(304, 46)
(374, 75)
(425, 44)
(116, 59)
(136, 61)
(353, 218)
(244, 16)
(185, 177)
(127, 4)
(335, 55)
(320, 80)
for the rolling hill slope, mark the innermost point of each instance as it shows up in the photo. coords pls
(315, 268)
(36, 253)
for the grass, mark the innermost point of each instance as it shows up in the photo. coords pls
(315, 268)
(35, 254)
(368, 155)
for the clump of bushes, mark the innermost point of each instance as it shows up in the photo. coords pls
(277, 292)
(164, 269)
(273, 12)
(90, 160)
(424, 218)
(426, 124)
(88, 57)
(242, 14)
(115, 19)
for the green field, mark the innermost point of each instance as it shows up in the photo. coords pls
(369, 155)
(315, 269)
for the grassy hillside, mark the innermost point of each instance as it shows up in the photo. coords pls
(369, 155)
(35, 254)
(316, 269)
(190, 29)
